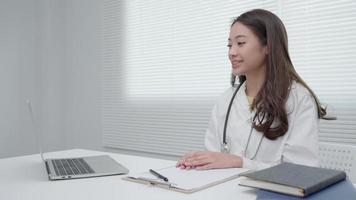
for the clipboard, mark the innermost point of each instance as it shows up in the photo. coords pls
(186, 181)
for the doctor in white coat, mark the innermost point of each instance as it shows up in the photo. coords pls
(273, 117)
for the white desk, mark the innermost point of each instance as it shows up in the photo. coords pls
(25, 178)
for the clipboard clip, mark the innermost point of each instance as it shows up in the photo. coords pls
(156, 182)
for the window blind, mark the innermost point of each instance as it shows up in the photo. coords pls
(165, 63)
(322, 37)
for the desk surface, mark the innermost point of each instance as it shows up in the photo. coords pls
(25, 178)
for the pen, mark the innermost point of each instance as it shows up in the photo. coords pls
(158, 175)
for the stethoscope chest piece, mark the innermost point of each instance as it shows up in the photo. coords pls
(225, 148)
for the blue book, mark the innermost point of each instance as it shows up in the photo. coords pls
(343, 190)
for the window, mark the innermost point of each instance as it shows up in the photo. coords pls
(165, 63)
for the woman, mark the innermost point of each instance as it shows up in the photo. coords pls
(274, 116)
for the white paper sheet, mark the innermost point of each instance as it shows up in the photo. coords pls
(192, 179)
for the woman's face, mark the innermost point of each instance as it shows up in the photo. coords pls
(246, 53)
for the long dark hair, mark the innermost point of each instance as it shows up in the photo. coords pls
(280, 73)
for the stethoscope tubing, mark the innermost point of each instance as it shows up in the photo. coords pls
(225, 147)
(228, 113)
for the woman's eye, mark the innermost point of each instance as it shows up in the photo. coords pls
(240, 43)
(229, 45)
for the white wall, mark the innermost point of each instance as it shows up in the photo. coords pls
(52, 75)
(83, 70)
(19, 77)
(49, 53)
(32, 60)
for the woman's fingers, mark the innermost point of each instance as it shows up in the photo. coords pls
(198, 160)
(209, 160)
(204, 167)
(181, 162)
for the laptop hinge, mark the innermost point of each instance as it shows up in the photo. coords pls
(47, 167)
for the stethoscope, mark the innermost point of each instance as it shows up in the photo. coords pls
(225, 147)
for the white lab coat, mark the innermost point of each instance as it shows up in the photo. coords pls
(299, 145)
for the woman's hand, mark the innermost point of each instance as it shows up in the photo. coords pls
(209, 160)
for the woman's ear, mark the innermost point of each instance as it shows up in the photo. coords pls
(265, 50)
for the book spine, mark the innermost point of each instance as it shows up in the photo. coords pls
(324, 184)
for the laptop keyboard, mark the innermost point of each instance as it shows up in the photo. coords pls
(72, 166)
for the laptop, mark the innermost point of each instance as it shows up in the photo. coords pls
(78, 167)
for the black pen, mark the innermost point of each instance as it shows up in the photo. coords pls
(158, 175)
